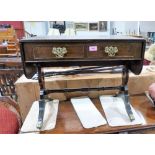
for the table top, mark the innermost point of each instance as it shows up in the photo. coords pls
(84, 38)
(68, 121)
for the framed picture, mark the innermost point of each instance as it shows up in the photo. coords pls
(103, 26)
(81, 26)
(52, 23)
(93, 26)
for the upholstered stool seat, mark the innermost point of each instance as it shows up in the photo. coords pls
(10, 121)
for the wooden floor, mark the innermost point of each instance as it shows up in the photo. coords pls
(68, 121)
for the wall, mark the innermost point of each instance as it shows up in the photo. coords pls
(38, 28)
(122, 27)
(41, 28)
(147, 26)
(118, 27)
(18, 26)
(131, 27)
(70, 24)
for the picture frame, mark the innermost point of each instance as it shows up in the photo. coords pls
(103, 26)
(51, 23)
(81, 26)
(93, 26)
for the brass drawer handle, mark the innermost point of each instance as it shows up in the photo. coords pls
(111, 50)
(59, 51)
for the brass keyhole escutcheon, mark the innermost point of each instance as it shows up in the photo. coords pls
(111, 50)
(59, 52)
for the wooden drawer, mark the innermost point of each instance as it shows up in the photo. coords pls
(3, 50)
(107, 50)
(114, 50)
(49, 51)
(94, 51)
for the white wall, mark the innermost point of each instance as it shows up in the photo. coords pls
(38, 28)
(131, 27)
(125, 27)
(118, 26)
(70, 24)
(147, 26)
